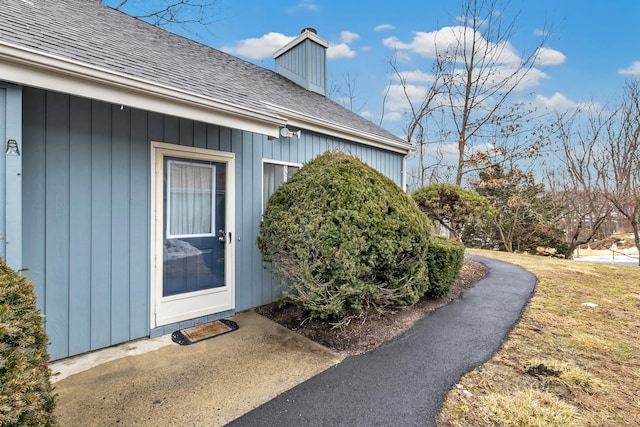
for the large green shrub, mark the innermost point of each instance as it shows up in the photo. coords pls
(343, 237)
(445, 257)
(26, 395)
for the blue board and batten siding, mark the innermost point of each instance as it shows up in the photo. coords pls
(86, 219)
(86, 210)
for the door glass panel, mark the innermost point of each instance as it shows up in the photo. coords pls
(195, 235)
(190, 198)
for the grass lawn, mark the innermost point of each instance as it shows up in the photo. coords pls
(565, 363)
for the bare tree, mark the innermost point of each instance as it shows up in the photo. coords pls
(577, 186)
(619, 162)
(476, 73)
(345, 93)
(428, 155)
(160, 13)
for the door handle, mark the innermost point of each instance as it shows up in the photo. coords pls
(222, 236)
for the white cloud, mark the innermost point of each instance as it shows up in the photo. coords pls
(479, 148)
(417, 76)
(547, 56)
(540, 33)
(393, 43)
(308, 5)
(631, 70)
(473, 20)
(495, 79)
(397, 96)
(559, 102)
(417, 85)
(384, 27)
(455, 41)
(265, 46)
(340, 50)
(524, 79)
(259, 48)
(403, 57)
(502, 70)
(393, 116)
(348, 37)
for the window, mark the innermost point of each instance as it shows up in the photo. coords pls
(273, 175)
(190, 198)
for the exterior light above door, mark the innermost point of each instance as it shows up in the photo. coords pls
(12, 148)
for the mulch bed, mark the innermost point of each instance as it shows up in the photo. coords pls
(373, 328)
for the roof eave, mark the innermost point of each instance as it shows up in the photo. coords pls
(301, 120)
(30, 67)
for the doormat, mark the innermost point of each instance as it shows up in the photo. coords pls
(203, 332)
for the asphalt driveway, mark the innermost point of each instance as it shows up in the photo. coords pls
(405, 381)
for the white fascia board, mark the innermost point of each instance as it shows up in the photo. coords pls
(304, 121)
(31, 68)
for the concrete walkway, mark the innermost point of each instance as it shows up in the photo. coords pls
(404, 382)
(296, 381)
(204, 384)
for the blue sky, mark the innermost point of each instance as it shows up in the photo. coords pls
(593, 46)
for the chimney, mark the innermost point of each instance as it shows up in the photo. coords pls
(304, 61)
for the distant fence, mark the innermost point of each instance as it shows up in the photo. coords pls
(611, 255)
(615, 253)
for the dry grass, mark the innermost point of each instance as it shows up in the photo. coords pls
(565, 364)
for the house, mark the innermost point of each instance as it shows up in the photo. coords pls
(136, 163)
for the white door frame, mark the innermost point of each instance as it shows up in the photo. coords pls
(167, 310)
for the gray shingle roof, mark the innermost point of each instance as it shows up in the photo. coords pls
(87, 32)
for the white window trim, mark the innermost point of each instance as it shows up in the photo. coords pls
(213, 201)
(271, 162)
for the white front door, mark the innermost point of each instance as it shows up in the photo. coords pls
(192, 244)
